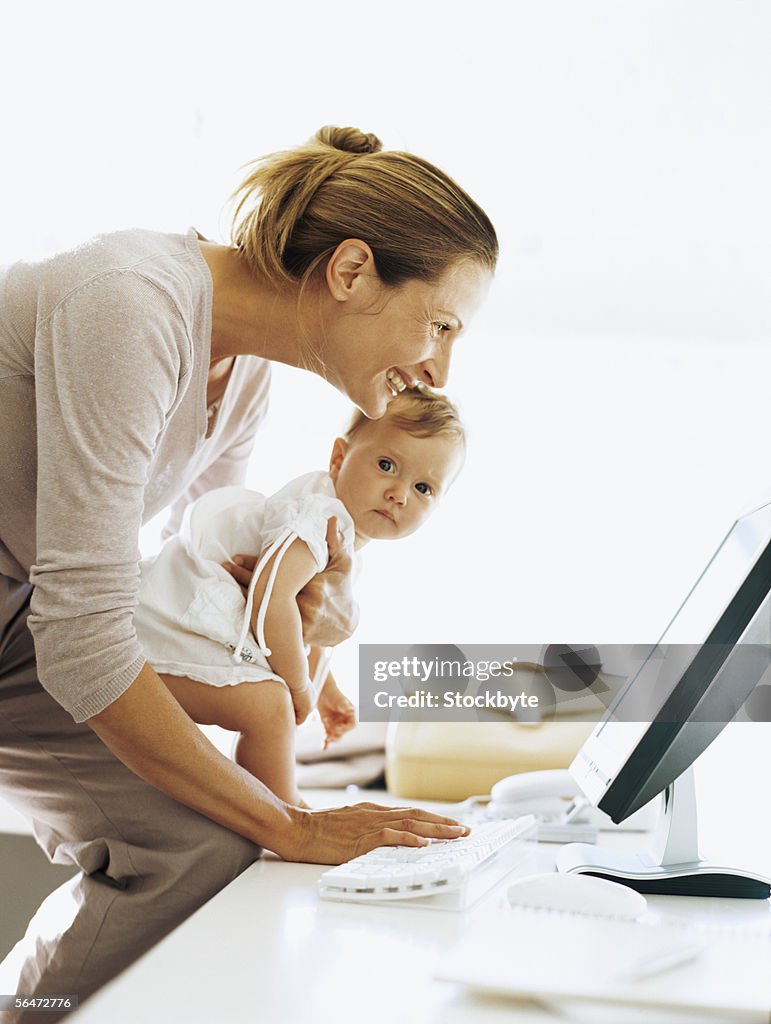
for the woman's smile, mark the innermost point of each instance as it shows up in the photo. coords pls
(397, 380)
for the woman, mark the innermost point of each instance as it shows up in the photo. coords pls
(133, 375)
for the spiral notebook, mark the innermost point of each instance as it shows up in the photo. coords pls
(553, 955)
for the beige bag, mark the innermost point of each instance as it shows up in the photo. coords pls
(454, 760)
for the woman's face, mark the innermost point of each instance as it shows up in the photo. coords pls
(381, 339)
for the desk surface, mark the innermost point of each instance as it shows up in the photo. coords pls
(267, 948)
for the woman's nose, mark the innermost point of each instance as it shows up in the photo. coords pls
(435, 371)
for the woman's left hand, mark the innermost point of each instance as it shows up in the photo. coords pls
(327, 606)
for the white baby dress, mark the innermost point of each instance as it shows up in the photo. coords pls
(192, 619)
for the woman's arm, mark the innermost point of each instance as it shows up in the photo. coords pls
(108, 360)
(148, 730)
(168, 750)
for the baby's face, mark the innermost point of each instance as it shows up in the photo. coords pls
(391, 481)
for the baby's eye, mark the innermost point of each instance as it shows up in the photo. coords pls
(386, 465)
(424, 489)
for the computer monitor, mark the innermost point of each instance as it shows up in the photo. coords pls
(714, 653)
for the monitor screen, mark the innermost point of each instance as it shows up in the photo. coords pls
(713, 653)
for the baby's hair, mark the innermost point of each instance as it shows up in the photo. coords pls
(294, 208)
(420, 411)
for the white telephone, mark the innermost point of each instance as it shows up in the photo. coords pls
(556, 799)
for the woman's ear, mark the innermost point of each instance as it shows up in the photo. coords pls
(351, 271)
(339, 448)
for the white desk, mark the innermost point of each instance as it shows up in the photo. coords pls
(267, 949)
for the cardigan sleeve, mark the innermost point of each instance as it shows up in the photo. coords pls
(112, 361)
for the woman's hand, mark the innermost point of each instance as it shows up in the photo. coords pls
(327, 606)
(338, 715)
(340, 834)
(326, 603)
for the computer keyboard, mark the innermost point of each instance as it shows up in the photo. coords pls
(450, 873)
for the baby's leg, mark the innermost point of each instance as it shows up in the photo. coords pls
(263, 715)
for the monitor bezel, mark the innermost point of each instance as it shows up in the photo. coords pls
(672, 741)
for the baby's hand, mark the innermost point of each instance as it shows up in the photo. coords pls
(302, 701)
(338, 715)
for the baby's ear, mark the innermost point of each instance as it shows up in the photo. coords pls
(339, 448)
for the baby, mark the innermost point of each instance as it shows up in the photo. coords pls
(244, 665)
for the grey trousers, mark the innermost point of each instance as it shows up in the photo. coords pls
(146, 862)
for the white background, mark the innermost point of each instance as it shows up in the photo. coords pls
(615, 386)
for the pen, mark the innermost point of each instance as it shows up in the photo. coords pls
(657, 963)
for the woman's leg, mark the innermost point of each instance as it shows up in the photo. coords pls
(147, 862)
(263, 716)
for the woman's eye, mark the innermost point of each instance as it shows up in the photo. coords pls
(440, 328)
(385, 464)
(424, 488)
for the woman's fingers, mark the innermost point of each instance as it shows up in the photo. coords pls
(413, 813)
(426, 829)
(339, 554)
(391, 837)
(412, 830)
(340, 834)
(328, 609)
(241, 569)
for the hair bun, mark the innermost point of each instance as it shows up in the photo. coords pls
(349, 140)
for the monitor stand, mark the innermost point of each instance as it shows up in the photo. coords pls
(672, 865)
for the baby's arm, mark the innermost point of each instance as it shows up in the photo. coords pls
(283, 624)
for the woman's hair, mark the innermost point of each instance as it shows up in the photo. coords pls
(421, 412)
(295, 207)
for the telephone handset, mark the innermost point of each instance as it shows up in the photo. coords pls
(556, 799)
(546, 794)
